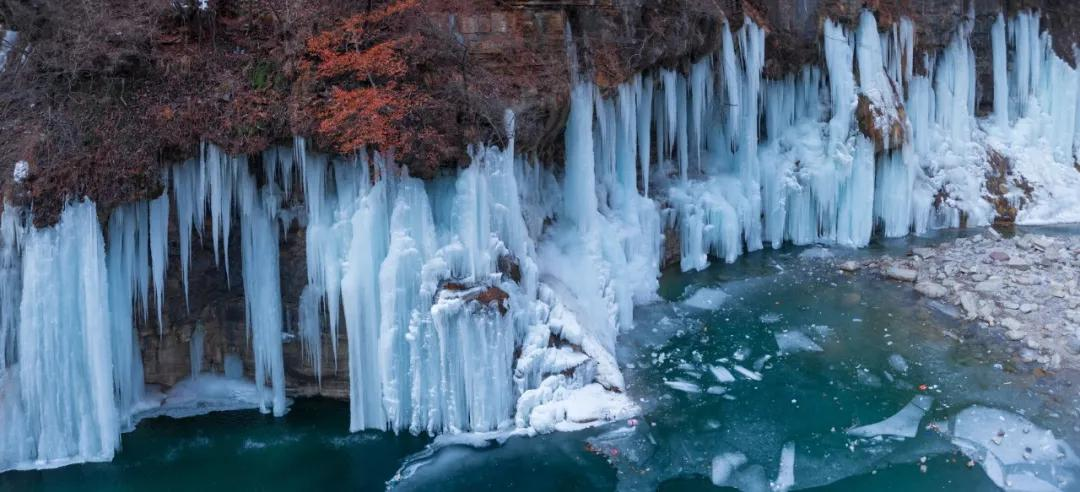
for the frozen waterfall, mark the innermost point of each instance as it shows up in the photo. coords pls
(491, 298)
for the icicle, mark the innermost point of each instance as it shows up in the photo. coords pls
(11, 232)
(360, 298)
(954, 87)
(159, 254)
(838, 54)
(262, 291)
(700, 98)
(219, 174)
(1001, 78)
(733, 84)
(671, 111)
(645, 106)
(189, 191)
(310, 328)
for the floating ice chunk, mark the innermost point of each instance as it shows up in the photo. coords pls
(722, 374)
(897, 362)
(904, 423)
(716, 390)
(791, 342)
(770, 318)
(724, 465)
(785, 478)
(756, 376)
(686, 366)
(706, 298)
(1015, 453)
(681, 385)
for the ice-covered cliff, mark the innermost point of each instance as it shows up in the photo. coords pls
(491, 298)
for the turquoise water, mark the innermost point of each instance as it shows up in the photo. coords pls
(806, 398)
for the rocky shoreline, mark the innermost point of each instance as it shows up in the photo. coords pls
(1023, 288)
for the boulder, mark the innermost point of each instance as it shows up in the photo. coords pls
(1073, 344)
(931, 289)
(989, 286)
(1012, 324)
(902, 274)
(849, 266)
(1015, 335)
(1042, 242)
(970, 304)
(923, 252)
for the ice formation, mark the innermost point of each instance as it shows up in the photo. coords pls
(706, 299)
(1035, 125)
(904, 423)
(816, 177)
(1016, 454)
(61, 400)
(791, 342)
(490, 299)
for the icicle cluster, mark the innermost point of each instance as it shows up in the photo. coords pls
(815, 177)
(1036, 127)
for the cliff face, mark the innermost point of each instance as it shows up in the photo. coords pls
(105, 97)
(100, 112)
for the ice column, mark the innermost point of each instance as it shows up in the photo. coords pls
(57, 404)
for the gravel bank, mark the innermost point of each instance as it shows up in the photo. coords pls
(1023, 288)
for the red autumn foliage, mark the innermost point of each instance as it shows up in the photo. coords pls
(368, 70)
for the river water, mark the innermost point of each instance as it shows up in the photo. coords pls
(749, 374)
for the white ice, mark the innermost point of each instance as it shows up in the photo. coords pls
(791, 342)
(706, 298)
(904, 423)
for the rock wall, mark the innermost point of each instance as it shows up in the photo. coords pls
(233, 74)
(217, 305)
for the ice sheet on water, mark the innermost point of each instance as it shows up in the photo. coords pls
(770, 318)
(707, 298)
(205, 394)
(1015, 453)
(904, 423)
(792, 342)
(867, 378)
(820, 331)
